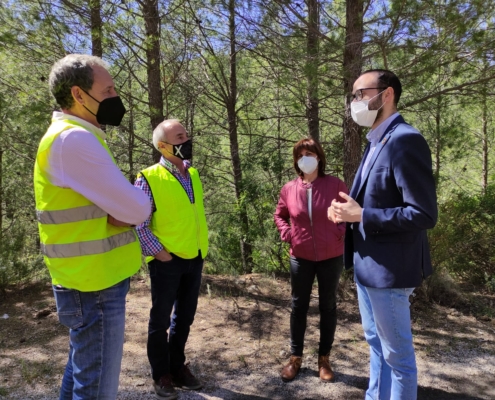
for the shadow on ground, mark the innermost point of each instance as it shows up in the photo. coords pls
(33, 348)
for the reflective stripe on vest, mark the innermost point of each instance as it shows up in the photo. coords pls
(81, 249)
(178, 224)
(87, 248)
(70, 215)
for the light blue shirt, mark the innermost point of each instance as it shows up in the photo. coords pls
(373, 137)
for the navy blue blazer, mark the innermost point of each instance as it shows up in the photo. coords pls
(389, 248)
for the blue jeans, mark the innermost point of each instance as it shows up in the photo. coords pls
(302, 276)
(175, 285)
(96, 321)
(386, 322)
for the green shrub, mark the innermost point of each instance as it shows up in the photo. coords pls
(20, 259)
(442, 289)
(463, 242)
(490, 282)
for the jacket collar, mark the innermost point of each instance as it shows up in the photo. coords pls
(358, 183)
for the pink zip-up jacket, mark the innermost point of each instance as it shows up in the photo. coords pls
(315, 238)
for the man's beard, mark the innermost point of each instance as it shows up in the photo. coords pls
(379, 114)
(377, 105)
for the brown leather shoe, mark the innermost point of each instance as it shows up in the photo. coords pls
(185, 379)
(164, 389)
(290, 371)
(325, 370)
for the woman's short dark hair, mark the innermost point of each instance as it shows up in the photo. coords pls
(72, 70)
(313, 146)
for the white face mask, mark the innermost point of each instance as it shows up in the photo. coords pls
(361, 114)
(307, 164)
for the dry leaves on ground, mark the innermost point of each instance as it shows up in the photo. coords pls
(239, 342)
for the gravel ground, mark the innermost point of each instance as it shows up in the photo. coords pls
(239, 342)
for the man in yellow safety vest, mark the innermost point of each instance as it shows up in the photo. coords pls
(85, 209)
(175, 240)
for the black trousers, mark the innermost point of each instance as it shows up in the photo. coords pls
(302, 276)
(175, 286)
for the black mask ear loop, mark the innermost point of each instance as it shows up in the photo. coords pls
(93, 99)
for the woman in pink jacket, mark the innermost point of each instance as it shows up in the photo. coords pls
(316, 248)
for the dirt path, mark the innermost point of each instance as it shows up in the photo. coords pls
(239, 342)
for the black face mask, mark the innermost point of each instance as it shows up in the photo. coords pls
(110, 111)
(183, 151)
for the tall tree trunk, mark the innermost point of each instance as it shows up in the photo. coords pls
(1, 193)
(190, 113)
(165, 96)
(246, 249)
(152, 27)
(280, 164)
(1, 171)
(484, 123)
(130, 144)
(312, 62)
(438, 140)
(96, 28)
(353, 61)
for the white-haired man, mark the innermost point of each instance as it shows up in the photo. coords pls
(175, 240)
(85, 209)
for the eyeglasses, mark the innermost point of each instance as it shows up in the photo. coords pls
(358, 95)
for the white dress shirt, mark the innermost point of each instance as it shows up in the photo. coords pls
(78, 161)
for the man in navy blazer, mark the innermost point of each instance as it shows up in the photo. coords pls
(390, 206)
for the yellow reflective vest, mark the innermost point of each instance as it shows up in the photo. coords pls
(178, 224)
(81, 249)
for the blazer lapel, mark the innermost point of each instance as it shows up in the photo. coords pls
(357, 178)
(380, 145)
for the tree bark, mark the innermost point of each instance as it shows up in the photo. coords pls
(246, 249)
(485, 141)
(1, 194)
(312, 62)
(438, 141)
(1, 172)
(152, 28)
(130, 144)
(96, 28)
(353, 61)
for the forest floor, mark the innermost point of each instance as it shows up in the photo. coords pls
(240, 341)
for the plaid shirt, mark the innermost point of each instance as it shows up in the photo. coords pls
(149, 242)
